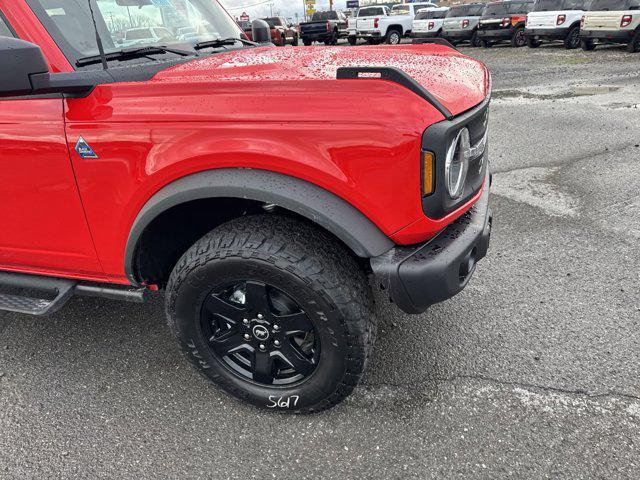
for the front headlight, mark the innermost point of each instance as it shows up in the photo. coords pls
(457, 163)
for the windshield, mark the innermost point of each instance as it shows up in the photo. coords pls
(274, 22)
(370, 12)
(431, 14)
(598, 5)
(495, 9)
(465, 11)
(132, 23)
(400, 10)
(547, 5)
(324, 16)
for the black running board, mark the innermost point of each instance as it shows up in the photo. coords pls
(38, 295)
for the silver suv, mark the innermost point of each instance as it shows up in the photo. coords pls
(461, 24)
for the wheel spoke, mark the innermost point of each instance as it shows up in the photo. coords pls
(227, 343)
(262, 367)
(216, 306)
(257, 297)
(295, 359)
(294, 323)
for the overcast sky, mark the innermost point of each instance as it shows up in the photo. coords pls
(286, 8)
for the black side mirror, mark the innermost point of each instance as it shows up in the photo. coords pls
(261, 31)
(20, 60)
(26, 72)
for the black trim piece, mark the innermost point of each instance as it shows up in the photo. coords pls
(6, 21)
(397, 76)
(324, 208)
(435, 40)
(419, 276)
(436, 139)
(126, 294)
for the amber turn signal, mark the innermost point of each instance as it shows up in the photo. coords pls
(428, 161)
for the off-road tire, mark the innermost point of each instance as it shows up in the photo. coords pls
(312, 267)
(476, 41)
(307, 43)
(587, 44)
(518, 39)
(533, 43)
(572, 40)
(352, 40)
(634, 44)
(332, 40)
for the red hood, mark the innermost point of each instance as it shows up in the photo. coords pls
(457, 81)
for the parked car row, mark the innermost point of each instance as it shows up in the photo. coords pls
(575, 23)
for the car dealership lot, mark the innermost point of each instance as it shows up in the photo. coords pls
(531, 371)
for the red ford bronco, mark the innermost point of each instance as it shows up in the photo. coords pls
(214, 169)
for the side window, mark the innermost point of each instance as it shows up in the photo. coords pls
(5, 31)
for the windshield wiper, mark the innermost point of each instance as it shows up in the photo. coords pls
(221, 42)
(130, 53)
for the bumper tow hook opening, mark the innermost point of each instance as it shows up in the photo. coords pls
(467, 266)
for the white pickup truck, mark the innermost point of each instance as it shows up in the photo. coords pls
(380, 23)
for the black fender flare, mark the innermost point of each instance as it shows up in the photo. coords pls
(320, 206)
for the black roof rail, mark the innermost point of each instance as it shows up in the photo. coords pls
(397, 76)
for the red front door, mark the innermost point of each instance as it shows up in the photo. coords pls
(43, 228)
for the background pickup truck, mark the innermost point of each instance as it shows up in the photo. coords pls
(281, 31)
(325, 27)
(378, 24)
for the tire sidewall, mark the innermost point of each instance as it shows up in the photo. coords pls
(393, 34)
(519, 39)
(185, 310)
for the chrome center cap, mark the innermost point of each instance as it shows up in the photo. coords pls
(261, 332)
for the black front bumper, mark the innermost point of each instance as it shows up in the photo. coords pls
(419, 276)
(614, 36)
(547, 33)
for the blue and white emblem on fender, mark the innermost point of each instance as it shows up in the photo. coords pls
(84, 150)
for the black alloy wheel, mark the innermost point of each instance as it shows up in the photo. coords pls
(573, 39)
(260, 333)
(519, 39)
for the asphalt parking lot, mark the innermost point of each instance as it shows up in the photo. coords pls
(531, 372)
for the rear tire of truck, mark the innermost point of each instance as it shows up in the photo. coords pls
(476, 41)
(275, 312)
(518, 39)
(352, 40)
(394, 37)
(588, 44)
(533, 43)
(634, 45)
(296, 40)
(572, 40)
